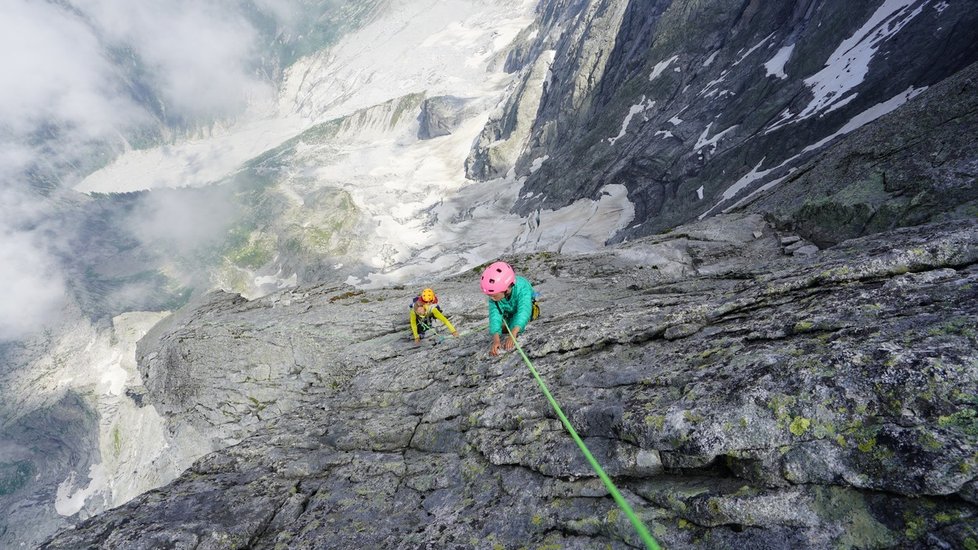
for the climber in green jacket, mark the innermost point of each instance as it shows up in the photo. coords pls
(510, 298)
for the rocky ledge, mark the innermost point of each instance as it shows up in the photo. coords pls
(739, 395)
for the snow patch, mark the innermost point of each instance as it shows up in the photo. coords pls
(699, 193)
(634, 110)
(756, 174)
(710, 88)
(712, 142)
(114, 377)
(676, 121)
(583, 226)
(750, 177)
(775, 65)
(70, 501)
(709, 60)
(870, 115)
(549, 56)
(277, 281)
(747, 179)
(753, 49)
(848, 65)
(841, 104)
(537, 163)
(759, 190)
(666, 134)
(661, 66)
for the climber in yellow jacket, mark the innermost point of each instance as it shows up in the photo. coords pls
(423, 308)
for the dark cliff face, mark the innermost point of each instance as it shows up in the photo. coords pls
(915, 165)
(694, 105)
(35, 450)
(739, 396)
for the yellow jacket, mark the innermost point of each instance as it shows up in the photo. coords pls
(431, 310)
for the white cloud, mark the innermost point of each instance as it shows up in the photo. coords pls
(184, 219)
(72, 73)
(199, 52)
(287, 12)
(33, 289)
(78, 69)
(54, 71)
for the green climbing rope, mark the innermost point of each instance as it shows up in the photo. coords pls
(643, 533)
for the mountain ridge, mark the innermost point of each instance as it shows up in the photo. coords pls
(738, 394)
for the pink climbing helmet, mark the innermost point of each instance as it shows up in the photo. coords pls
(497, 278)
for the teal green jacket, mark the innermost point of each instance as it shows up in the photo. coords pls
(517, 308)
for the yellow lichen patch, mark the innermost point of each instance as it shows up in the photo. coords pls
(867, 445)
(799, 425)
(656, 421)
(803, 326)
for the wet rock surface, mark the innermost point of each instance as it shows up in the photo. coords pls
(738, 395)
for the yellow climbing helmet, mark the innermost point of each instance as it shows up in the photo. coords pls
(428, 295)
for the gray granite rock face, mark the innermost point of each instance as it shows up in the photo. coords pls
(739, 396)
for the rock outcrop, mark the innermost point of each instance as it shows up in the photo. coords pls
(740, 395)
(440, 116)
(35, 450)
